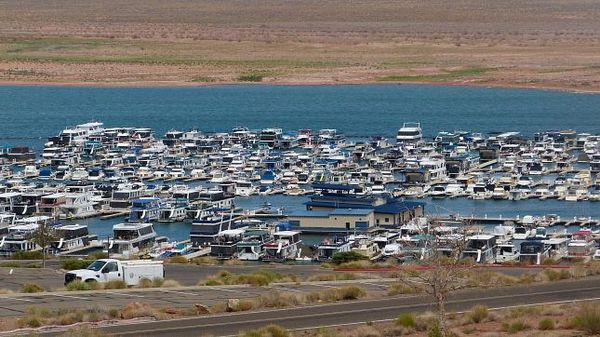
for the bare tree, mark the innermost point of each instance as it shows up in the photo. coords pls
(445, 269)
(42, 236)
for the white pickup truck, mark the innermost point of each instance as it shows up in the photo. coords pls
(106, 270)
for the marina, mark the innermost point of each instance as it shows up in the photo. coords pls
(274, 195)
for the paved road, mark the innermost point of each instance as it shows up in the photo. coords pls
(51, 278)
(360, 311)
(17, 304)
(356, 312)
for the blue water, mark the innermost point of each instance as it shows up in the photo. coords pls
(356, 110)
(30, 114)
(437, 207)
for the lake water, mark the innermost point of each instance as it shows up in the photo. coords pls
(30, 114)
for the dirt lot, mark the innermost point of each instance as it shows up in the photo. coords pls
(538, 43)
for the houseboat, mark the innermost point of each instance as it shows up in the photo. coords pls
(327, 248)
(286, 245)
(252, 247)
(71, 237)
(225, 244)
(145, 209)
(480, 248)
(131, 239)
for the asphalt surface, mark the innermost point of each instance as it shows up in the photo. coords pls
(51, 278)
(306, 317)
(361, 311)
(16, 305)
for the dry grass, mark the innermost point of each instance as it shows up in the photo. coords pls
(531, 43)
(260, 277)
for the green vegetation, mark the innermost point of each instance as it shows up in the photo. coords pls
(478, 313)
(27, 255)
(114, 284)
(556, 275)
(19, 265)
(251, 77)
(78, 285)
(336, 294)
(448, 75)
(31, 288)
(407, 320)
(178, 259)
(148, 283)
(588, 319)
(345, 257)
(97, 256)
(74, 264)
(546, 324)
(260, 277)
(36, 317)
(515, 327)
(268, 331)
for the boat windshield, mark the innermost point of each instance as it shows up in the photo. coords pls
(96, 265)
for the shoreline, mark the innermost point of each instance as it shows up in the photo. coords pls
(184, 84)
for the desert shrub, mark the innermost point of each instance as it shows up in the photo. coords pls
(434, 331)
(275, 299)
(84, 331)
(364, 331)
(400, 288)
(204, 261)
(350, 293)
(137, 309)
(588, 319)
(260, 277)
(407, 320)
(546, 324)
(145, 283)
(336, 294)
(27, 255)
(268, 331)
(73, 264)
(29, 322)
(555, 275)
(243, 305)
(514, 327)
(321, 277)
(158, 282)
(478, 313)
(254, 77)
(345, 257)
(528, 278)
(31, 288)
(178, 259)
(79, 285)
(97, 256)
(115, 284)
(167, 283)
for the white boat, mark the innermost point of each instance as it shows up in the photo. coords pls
(506, 252)
(329, 247)
(285, 246)
(521, 233)
(71, 237)
(131, 239)
(410, 133)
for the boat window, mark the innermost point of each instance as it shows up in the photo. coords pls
(96, 265)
